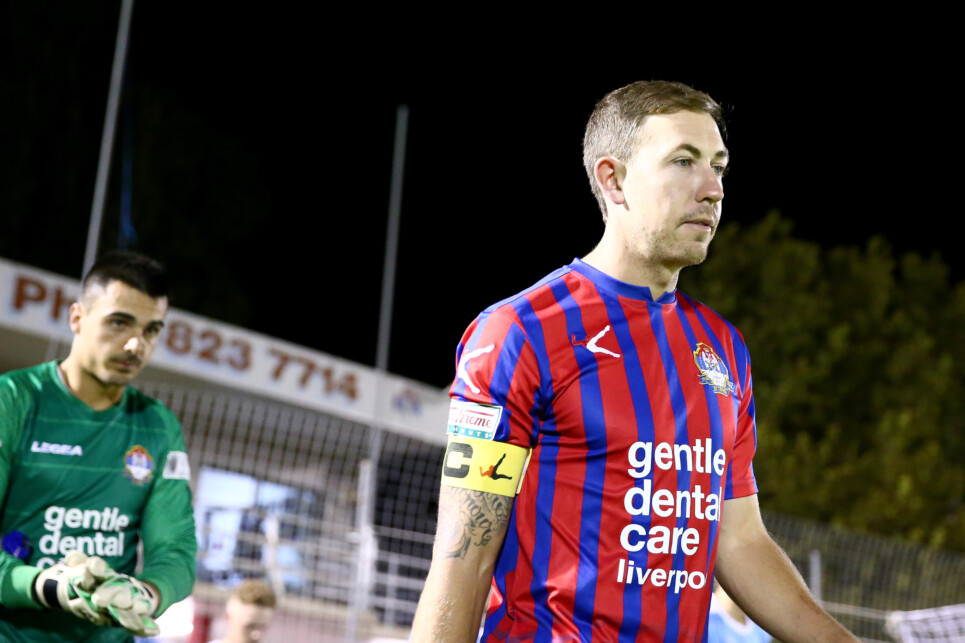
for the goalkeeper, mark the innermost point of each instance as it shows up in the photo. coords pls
(89, 469)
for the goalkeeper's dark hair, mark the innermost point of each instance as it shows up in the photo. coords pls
(132, 268)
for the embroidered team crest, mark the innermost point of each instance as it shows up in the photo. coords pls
(713, 372)
(138, 465)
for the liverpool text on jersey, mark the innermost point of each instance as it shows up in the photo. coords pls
(697, 502)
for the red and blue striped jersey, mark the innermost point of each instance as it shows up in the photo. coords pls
(640, 418)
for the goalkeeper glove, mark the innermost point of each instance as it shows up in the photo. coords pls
(67, 585)
(129, 602)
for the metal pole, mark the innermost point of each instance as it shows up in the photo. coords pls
(364, 573)
(392, 238)
(814, 573)
(107, 139)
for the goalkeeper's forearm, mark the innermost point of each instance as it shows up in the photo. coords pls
(16, 589)
(65, 585)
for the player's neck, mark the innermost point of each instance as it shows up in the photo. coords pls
(87, 388)
(614, 259)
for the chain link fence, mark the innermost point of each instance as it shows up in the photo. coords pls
(863, 579)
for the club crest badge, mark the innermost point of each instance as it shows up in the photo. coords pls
(713, 372)
(138, 465)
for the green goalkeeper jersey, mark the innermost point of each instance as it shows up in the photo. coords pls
(99, 481)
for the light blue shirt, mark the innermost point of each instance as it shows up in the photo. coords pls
(723, 628)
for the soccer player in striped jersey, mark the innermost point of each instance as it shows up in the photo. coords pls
(601, 430)
(88, 464)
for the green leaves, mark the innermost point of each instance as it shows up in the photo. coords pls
(858, 365)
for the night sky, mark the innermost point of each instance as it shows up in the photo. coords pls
(261, 148)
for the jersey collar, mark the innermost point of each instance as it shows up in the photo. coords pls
(621, 288)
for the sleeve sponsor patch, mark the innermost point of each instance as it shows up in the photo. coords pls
(483, 465)
(473, 420)
(177, 467)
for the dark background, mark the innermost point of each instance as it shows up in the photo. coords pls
(259, 143)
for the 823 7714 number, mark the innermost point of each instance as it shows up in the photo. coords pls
(208, 345)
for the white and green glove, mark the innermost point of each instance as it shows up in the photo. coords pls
(67, 585)
(129, 602)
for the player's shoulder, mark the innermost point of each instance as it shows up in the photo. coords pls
(712, 318)
(27, 381)
(28, 373)
(141, 403)
(525, 301)
(701, 307)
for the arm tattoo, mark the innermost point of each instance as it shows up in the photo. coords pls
(477, 518)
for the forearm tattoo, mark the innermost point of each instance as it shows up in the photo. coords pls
(478, 518)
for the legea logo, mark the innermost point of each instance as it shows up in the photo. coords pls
(56, 449)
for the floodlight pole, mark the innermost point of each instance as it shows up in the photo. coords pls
(392, 239)
(368, 483)
(107, 138)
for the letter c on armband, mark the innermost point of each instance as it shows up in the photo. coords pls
(484, 465)
(461, 471)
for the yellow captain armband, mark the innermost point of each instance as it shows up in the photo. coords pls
(484, 465)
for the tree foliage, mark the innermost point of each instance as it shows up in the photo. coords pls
(858, 367)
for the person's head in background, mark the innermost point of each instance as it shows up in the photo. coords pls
(249, 611)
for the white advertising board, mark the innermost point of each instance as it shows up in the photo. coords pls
(37, 302)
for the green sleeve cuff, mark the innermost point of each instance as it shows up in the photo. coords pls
(17, 588)
(165, 591)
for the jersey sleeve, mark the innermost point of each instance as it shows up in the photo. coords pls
(14, 575)
(495, 394)
(167, 525)
(11, 425)
(740, 479)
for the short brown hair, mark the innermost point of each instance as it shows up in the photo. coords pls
(254, 592)
(614, 125)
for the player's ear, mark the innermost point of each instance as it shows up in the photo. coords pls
(609, 173)
(76, 313)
